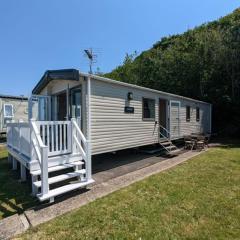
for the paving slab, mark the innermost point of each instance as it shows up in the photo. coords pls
(12, 226)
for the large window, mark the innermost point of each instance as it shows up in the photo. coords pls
(197, 114)
(148, 109)
(188, 113)
(8, 111)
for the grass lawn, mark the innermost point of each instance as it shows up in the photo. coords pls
(199, 199)
(14, 196)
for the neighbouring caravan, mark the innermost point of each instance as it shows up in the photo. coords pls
(73, 115)
(12, 108)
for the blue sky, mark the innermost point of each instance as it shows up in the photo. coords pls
(51, 34)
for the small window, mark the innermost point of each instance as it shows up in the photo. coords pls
(8, 110)
(148, 109)
(197, 114)
(188, 113)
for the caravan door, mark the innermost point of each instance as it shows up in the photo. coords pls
(175, 119)
(39, 107)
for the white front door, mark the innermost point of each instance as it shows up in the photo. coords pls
(174, 119)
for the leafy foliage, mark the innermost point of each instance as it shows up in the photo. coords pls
(203, 63)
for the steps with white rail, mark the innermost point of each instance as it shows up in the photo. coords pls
(72, 172)
(64, 189)
(166, 143)
(56, 153)
(170, 148)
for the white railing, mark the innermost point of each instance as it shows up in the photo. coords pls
(164, 133)
(82, 145)
(57, 135)
(41, 152)
(40, 140)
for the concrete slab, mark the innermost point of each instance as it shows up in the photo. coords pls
(108, 166)
(12, 226)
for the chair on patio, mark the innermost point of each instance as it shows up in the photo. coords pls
(207, 139)
(189, 143)
(200, 142)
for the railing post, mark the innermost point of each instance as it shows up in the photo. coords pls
(89, 161)
(89, 128)
(31, 140)
(73, 130)
(20, 135)
(44, 170)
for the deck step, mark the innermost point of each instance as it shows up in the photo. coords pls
(62, 177)
(174, 152)
(64, 189)
(165, 143)
(170, 148)
(58, 167)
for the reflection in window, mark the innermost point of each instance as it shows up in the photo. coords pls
(148, 109)
(8, 110)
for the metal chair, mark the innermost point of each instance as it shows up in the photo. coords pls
(200, 142)
(189, 143)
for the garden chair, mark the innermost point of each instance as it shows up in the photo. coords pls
(200, 142)
(189, 143)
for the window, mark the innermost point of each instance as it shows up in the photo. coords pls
(8, 110)
(188, 113)
(197, 114)
(148, 109)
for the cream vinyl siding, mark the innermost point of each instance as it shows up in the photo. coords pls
(112, 128)
(194, 126)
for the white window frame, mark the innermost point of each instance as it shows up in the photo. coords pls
(4, 110)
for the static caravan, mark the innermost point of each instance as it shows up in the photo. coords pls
(73, 115)
(12, 108)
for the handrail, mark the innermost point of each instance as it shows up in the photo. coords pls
(164, 128)
(83, 139)
(167, 131)
(78, 139)
(42, 155)
(37, 135)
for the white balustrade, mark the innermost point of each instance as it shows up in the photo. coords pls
(39, 140)
(57, 135)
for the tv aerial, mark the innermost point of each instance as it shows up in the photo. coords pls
(92, 57)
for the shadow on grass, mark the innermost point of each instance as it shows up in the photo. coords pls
(226, 142)
(14, 196)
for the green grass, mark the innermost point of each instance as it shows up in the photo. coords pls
(14, 196)
(199, 199)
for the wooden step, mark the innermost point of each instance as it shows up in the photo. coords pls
(64, 189)
(61, 177)
(58, 167)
